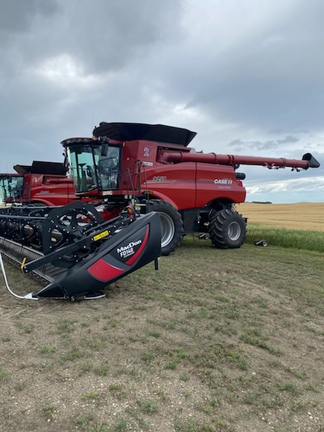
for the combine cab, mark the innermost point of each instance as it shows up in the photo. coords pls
(43, 183)
(153, 167)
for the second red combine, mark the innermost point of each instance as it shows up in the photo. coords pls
(42, 183)
(153, 167)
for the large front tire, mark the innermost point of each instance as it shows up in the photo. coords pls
(227, 228)
(171, 225)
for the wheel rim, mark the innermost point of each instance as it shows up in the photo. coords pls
(167, 229)
(234, 231)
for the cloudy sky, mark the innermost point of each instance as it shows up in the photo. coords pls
(246, 75)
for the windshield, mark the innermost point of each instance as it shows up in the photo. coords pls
(108, 168)
(91, 170)
(11, 188)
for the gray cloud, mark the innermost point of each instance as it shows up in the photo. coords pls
(17, 16)
(252, 85)
(240, 145)
(272, 75)
(100, 36)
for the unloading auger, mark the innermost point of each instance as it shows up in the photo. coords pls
(72, 251)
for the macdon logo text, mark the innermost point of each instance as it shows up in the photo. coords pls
(125, 251)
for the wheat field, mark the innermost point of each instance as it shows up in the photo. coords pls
(299, 216)
(296, 216)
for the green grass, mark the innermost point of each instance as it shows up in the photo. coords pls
(3, 374)
(215, 340)
(90, 396)
(66, 326)
(72, 355)
(147, 406)
(304, 240)
(49, 411)
(48, 349)
(118, 391)
(102, 369)
(84, 420)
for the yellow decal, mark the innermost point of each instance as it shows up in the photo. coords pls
(101, 235)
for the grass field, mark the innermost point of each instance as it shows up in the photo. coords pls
(300, 226)
(216, 340)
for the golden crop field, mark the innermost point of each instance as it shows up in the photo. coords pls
(299, 216)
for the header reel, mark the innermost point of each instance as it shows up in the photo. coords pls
(73, 251)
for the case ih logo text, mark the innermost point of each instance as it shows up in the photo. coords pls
(125, 251)
(223, 181)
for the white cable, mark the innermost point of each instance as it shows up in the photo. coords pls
(27, 296)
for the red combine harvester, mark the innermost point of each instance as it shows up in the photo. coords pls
(77, 251)
(153, 166)
(42, 183)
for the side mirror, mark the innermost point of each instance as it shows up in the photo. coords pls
(66, 161)
(104, 149)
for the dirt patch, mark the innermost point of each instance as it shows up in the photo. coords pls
(213, 341)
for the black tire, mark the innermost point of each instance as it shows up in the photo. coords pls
(227, 228)
(171, 225)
